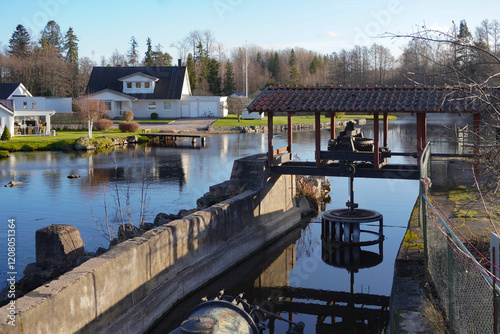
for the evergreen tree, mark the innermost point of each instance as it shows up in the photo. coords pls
(19, 43)
(213, 79)
(133, 53)
(295, 75)
(51, 38)
(274, 65)
(315, 65)
(229, 85)
(5, 134)
(161, 58)
(191, 72)
(71, 47)
(148, 59)
(293, 58)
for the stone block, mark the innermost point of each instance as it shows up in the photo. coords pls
(58, 246)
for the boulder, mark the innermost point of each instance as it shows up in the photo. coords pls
(132, 139)
(84, 144)
(72, 176)
(127, 231)
(58, 246)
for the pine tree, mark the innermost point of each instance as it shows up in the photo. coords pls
(315, 65)
(19, 43)
(229, 85)
(293, 58)
(191, 72)
(213, 78)
(148, 59)
(274, 65)
(51, 38)
(295, 75)
(71, 47)
(161, 58)
(133, 53)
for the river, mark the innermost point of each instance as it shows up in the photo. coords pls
(176, 177)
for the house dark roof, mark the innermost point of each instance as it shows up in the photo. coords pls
(169, 85)
(374, 99)
(6, 89)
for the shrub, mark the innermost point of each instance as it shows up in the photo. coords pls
(128, 115)
(103, 124)
(154, 115)
(6, 134)
(128, 126)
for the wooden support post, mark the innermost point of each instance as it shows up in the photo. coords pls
(376, 145)
(424, 130)
(332, 125)
(290, 133)
(419, 136)
(317, 131)
(386, 130)
(270, 134)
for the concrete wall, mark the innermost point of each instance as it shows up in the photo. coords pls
(134, 283)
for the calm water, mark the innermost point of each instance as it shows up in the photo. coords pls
(176, 177)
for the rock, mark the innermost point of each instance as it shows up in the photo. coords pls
(208, 200)
(31, 268)
(163, 218)
(58, 246)
(36, 279)
(73, 176)
(147, 226)
(127, 231)
(132, 139)
(81, 260)
(12, 184)
(100, 251)
(84, 144)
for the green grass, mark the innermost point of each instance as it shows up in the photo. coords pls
(232, 120)
(64, 140)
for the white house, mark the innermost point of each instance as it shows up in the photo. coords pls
(25, 114)
(163, 90)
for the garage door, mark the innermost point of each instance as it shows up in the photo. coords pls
(208, 107)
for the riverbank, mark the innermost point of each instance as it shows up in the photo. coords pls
(65, 140)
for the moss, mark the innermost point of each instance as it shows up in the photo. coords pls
(4, 154)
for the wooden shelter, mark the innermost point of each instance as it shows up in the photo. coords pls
(378, 101)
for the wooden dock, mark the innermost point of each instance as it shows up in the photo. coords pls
(165, 137)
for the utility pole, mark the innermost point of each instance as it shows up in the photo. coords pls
(246, 69)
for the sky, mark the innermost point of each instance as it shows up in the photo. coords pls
(323, 26)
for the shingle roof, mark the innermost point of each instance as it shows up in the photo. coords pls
(169, 85)
(6, 89)
(369, 99)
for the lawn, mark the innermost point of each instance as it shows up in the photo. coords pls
(63, 140)
(232, 120)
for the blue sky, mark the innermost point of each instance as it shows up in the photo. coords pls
(324, 26)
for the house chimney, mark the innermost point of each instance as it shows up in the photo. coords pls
(179, 62)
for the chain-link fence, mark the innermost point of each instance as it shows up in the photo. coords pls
(465, 289)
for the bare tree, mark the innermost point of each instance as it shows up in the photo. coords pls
(236, 105)
(90, 110)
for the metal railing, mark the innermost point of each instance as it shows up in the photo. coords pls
(466, 290)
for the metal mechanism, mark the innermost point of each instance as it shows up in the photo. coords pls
(351, 148)
(225, 314)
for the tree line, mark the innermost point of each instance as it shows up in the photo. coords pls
(50, 65)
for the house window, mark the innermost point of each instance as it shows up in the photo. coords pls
(107, 105)
(137, 85)
(129, 85)
(33, 106)
(25, 105)
(152, 106)
(167, 105)
(147, 85)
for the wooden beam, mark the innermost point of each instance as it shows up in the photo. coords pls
(318, 138)
(386, 130)
(419, 137)
(332, 125)
(290, 132)
(376, 144)
(270, 134)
